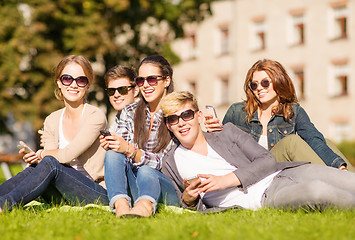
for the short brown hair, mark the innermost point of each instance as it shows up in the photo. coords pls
(176, 100)
(119, 71)
(80, 60)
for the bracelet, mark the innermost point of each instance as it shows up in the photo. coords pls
(41, 154)
(133, 154)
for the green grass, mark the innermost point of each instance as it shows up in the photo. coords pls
(62, 222)
(39, 223)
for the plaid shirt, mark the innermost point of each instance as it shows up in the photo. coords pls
(125, 127)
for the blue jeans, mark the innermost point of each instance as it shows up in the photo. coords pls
(123, 180)
(51, 180)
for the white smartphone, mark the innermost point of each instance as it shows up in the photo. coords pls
(27, 148)
(191, 179)
(211, 111)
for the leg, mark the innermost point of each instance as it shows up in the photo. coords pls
(153, 187)
(311, 186)
(119, 179)
(13, 182)
(73, 185)
(331, 145)
(294, 148)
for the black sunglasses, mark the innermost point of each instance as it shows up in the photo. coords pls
(265, 83)
(67, 80)
(121, 90)
(185, 115)
(152, 80)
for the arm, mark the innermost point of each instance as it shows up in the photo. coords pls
(259, 162)
(142, 157)
(308, 132)
(88, 133)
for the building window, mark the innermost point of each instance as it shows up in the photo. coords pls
(193, 87)
(224, 40)
(258, 42)
(342, 131)
(339, 80)
(298, 29)
(299, 83)
(222, 91)
(339, 21)
(190, 47)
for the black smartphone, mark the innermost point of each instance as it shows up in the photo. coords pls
(105, 132)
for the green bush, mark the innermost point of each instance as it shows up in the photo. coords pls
(348, 149)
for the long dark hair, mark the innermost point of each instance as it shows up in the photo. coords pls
(140, 129)
(282, 85)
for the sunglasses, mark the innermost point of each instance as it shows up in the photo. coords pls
(151, 80)
(121, 90)
(185, 115)
(265, 83)
(67, 80)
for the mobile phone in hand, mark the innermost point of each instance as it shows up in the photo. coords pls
(191, 179)
(211, 111)
(105, 132)
(27, 149)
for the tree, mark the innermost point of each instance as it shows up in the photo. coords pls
(36, 34)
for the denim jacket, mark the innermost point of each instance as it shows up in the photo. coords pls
(278, 128)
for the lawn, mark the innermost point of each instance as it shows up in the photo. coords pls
(64, 222)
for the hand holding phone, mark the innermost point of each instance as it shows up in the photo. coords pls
(27, 148)
(105, 132)
(211, 111)
(191, 179)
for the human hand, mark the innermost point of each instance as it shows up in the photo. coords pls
(213, 183)
(116, 143)
(191, 193)
(212, 124)
(41, 134)
(103, 142)
(28, 155)
(342, 167)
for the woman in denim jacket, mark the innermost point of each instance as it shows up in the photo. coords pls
(276, 121)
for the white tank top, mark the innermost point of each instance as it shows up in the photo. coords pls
(63, 143)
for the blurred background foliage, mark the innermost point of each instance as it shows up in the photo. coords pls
(36, 34)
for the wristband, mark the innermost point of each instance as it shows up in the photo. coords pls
(41, 154)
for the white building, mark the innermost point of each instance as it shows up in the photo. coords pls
(314, 40)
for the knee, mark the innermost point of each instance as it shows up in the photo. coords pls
(292, 139)
(49, 160)
(112, 157)
(317, 191)
(146, 173)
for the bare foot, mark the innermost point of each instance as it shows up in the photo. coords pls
(143, 208)
(122, 207)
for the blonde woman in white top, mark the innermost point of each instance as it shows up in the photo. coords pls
(70, 166)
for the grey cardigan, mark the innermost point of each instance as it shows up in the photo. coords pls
(253, 162)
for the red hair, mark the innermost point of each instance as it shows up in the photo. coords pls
(281, 83)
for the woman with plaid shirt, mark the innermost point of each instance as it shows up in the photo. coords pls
(135, 150)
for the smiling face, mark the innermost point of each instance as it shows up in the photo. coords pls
(73, 93)
(153, 94)
(188, 132)
(117, 100)
(266, 95)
